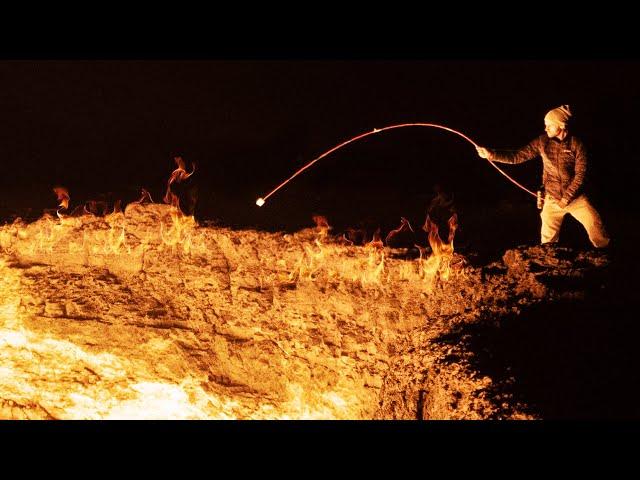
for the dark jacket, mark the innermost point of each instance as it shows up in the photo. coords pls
(564, 164)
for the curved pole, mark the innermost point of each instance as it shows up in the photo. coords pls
(262, 200)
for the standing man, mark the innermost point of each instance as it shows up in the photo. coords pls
(564, 161)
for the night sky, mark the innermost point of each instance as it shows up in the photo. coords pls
(106, 128)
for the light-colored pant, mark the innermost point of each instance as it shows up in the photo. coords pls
(581, 209)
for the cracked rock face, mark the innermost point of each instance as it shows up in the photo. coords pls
(147, 315)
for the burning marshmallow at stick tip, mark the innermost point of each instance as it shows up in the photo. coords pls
(260, 201)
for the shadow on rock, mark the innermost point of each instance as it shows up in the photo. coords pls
(573, 356)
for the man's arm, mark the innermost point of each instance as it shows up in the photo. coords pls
(526, 153)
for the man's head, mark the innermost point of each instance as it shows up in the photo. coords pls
(556, 121)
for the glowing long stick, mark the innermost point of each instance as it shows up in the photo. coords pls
(260, 201)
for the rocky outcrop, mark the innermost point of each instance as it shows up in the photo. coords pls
(475, 364)
(147, 315)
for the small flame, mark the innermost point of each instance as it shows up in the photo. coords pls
(436, 243)
(347, 240)
(178, 175)
(404, 226)
(453, 226)
(321, 222)
(439, 263)
(63, 197)
(374, 267)
(180, 233)
(376, 241)
(145, 197)
(322, 225)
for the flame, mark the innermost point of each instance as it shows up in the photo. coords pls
(404, 226)
(145, 197)
(374, 266)
(310, 263)
(376, 241)
(453, 226)
(346, 240)
(180, 233)
(313, 257)
(325, 257)
(63, 197)
(439, 264)
(178, 175)
(322, 225)
(111, 241)
(105, 235)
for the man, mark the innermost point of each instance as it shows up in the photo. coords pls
(564, 160)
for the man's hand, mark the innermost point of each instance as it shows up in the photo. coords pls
(484, 153)
(563, 203)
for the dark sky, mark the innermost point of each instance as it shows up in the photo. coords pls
(99, 126)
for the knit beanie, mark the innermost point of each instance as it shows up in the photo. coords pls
(559, 116)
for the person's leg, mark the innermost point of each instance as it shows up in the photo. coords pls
(552, 216)
(583, 211)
